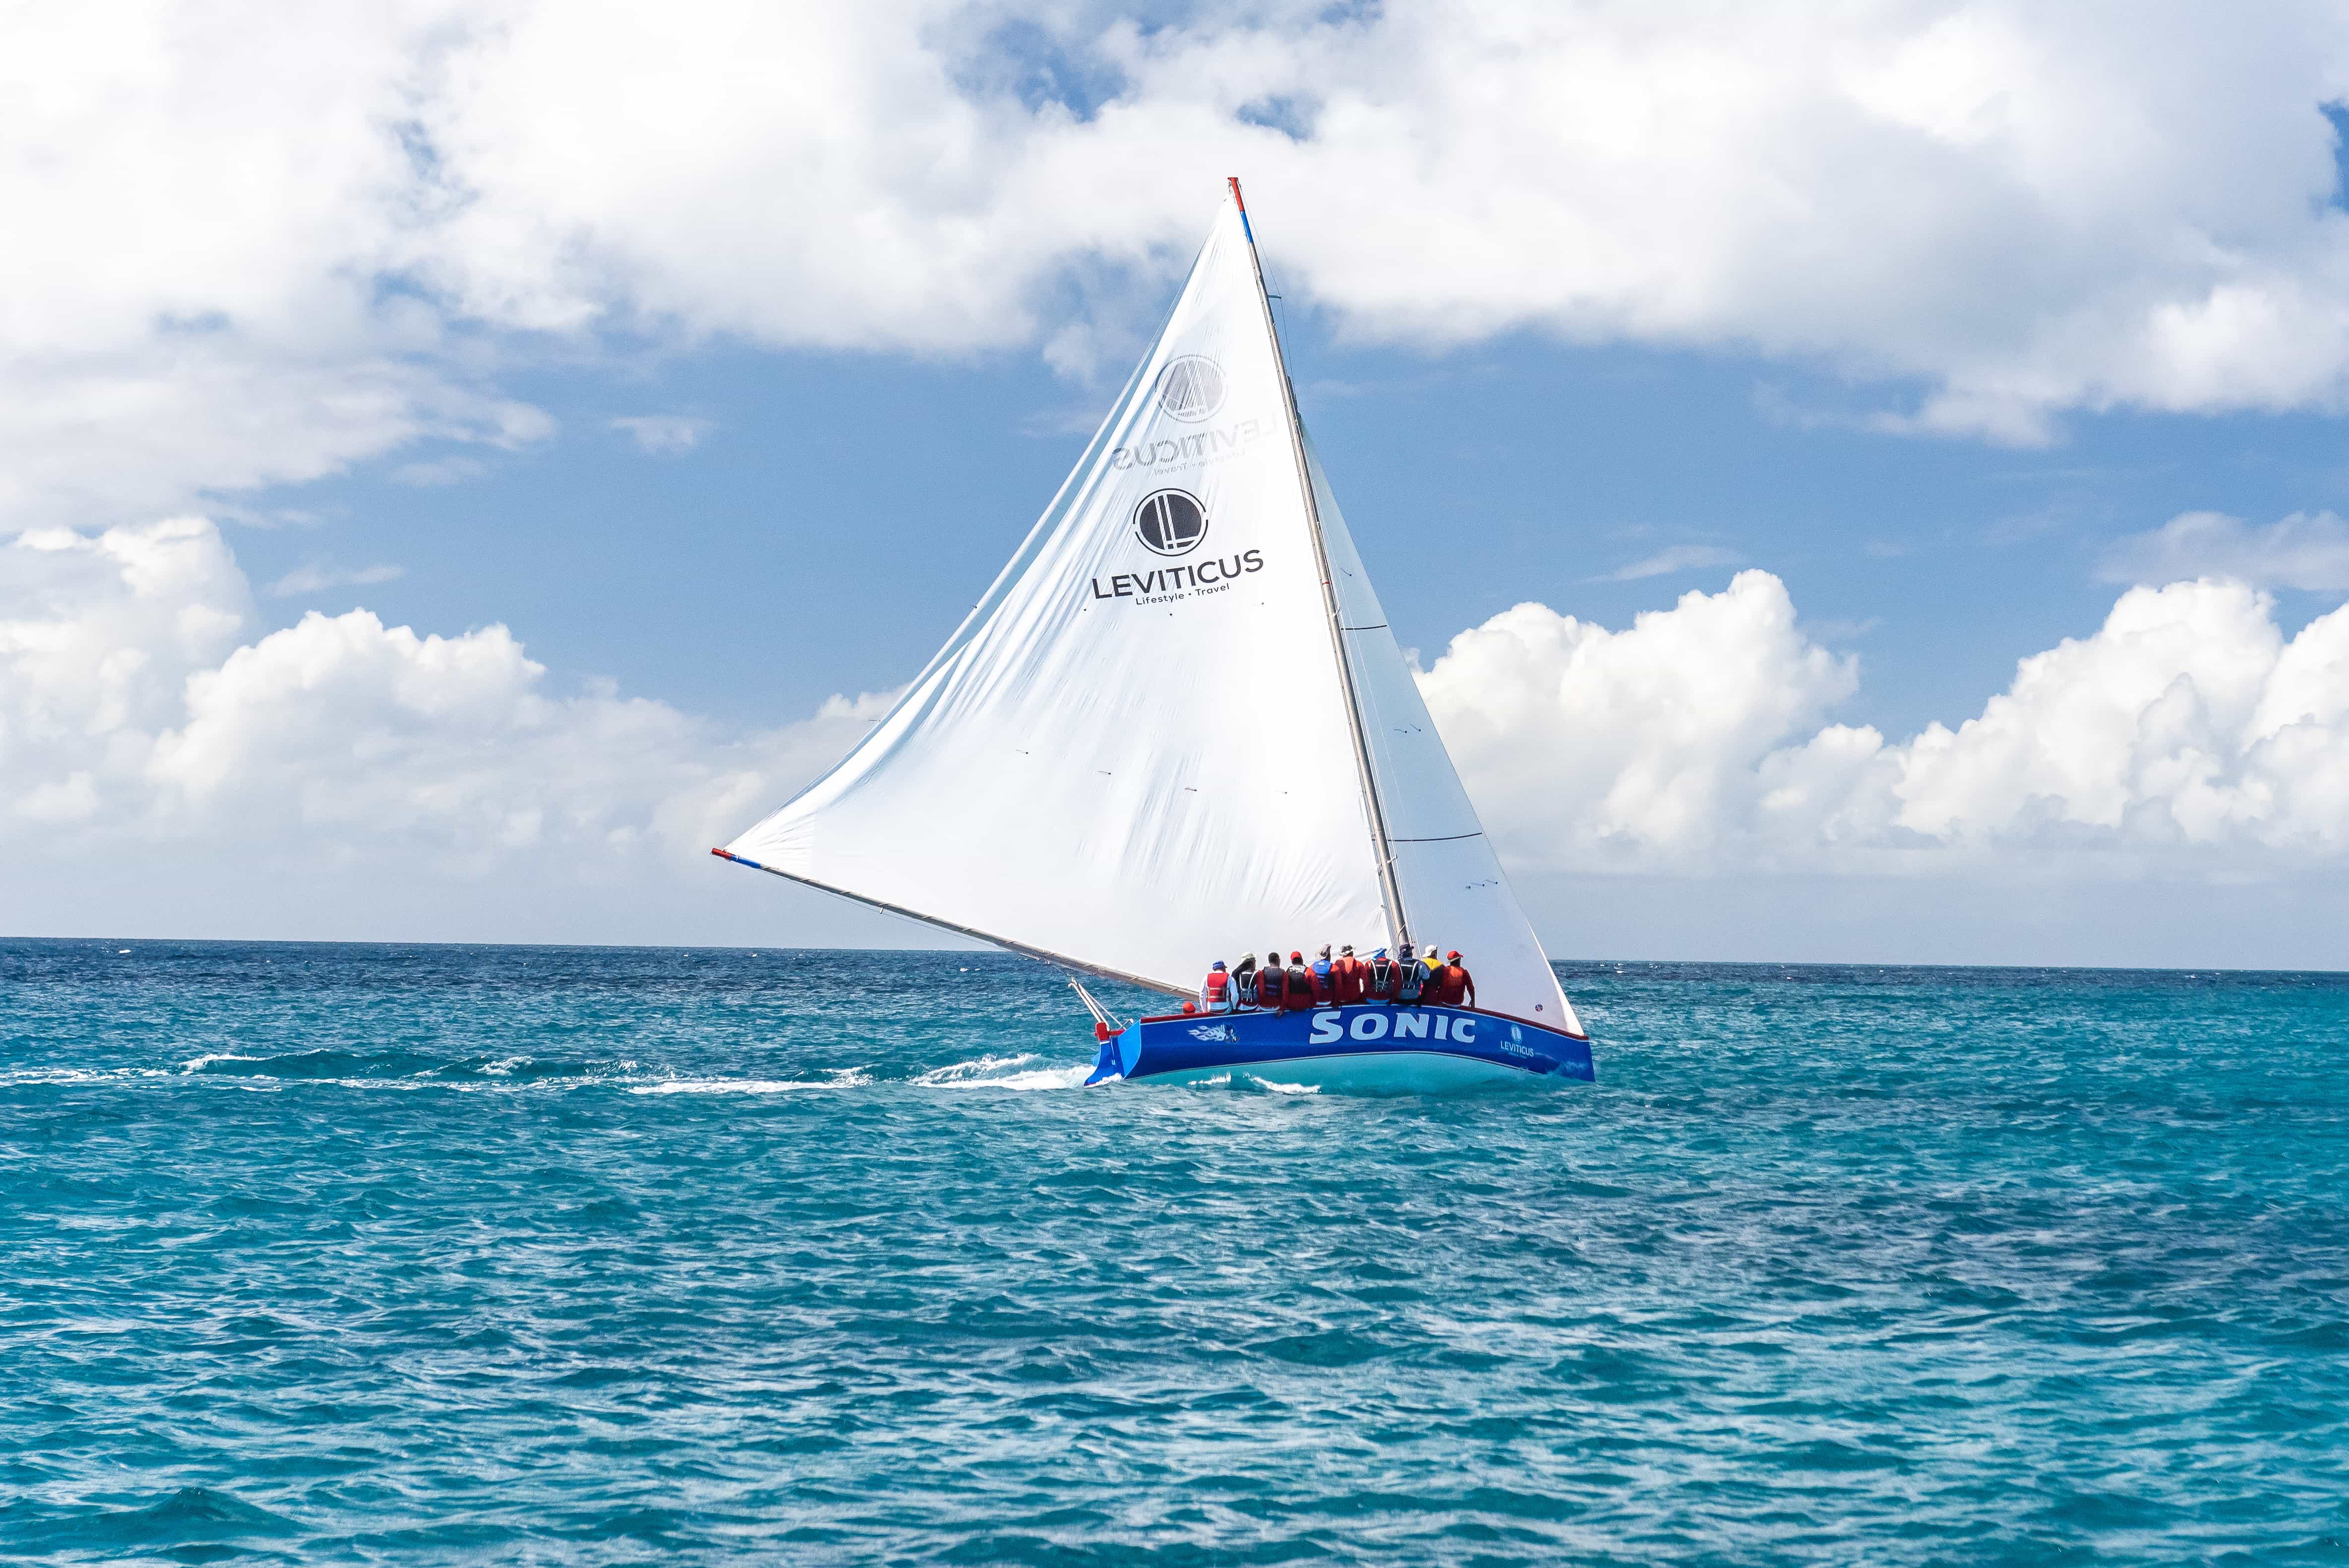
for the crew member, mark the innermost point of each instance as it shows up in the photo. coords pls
(1215, 994)
(1300, 982)
(1380, 976)
(1346, 976)
(1270, 984)
(1244, 981)
(1431, 975)
(1411, 981)
(1324, 980)
(1455, 987)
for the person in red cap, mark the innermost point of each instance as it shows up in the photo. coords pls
(1455, 987)
(1300, 984)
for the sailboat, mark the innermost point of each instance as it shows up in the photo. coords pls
(1177, 725)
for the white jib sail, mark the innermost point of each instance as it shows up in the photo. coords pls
(1137, 755)
(1453, 893)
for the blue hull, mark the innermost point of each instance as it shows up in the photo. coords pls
(1367, 1046)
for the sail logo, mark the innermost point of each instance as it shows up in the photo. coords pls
(1192, 388)
(1171, 522)
(1214, 575)
(1196, 449)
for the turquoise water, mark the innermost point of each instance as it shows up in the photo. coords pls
(458, 1254)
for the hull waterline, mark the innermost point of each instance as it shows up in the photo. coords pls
(1369, 1048)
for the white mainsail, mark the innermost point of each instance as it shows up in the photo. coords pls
(1141, 751)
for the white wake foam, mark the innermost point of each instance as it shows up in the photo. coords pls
(963, 1072)
(730, 1085)
(996, 1072)
(1277, 1088)
(843, 1078)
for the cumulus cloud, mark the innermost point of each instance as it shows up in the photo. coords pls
(2186, 732)
(1583, 746)
(144, 720)
(96, 635)
(2028, 211)
(135, 705)
(2306, 550)
(301, 240)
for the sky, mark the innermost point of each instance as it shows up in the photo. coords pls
(1863, 483)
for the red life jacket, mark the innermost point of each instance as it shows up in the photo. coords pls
(1217, 991)
(1268, 989)
(1345, 977)
(1452, 987)
(1382, 976)
(1300, 986)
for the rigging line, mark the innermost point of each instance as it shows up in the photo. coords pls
(1281, 316)
(1446, 839)
(1044, 954)
(1389, 889)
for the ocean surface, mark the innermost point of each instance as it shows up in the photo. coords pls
(455, 1254)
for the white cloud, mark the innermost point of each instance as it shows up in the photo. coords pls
(2028, 211)
(266, 246)
(144, 724)
(133, 710)
(1676, 558)
(2185, 733)
(2186, 721)
(1587, 747)
(203, 288)
(305, 580)
(663, 435)
(2303, 550)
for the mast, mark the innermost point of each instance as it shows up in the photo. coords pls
(1373, 809)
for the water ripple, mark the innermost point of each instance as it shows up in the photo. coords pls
(452, 1255)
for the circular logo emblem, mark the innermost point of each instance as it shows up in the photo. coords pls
(1190, 388)
(1171, 522)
